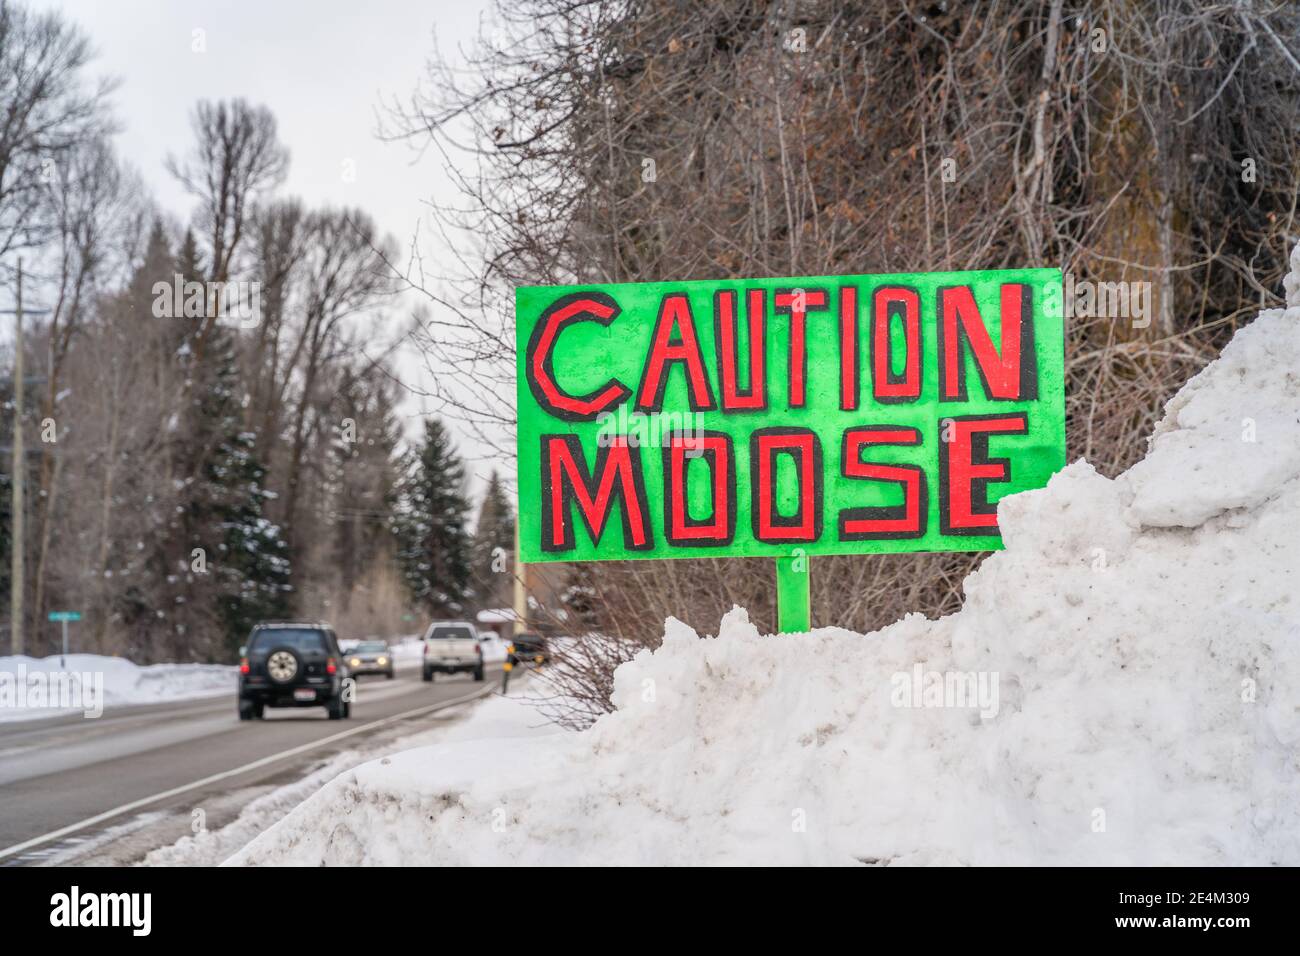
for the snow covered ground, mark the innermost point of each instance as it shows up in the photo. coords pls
(102, 681)
(32, 688)
(492, 718)
(1137, 646)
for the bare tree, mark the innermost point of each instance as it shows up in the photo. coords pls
(237, 158)
(96, 210)
(47, 108)
(281, 242)
(342, 277)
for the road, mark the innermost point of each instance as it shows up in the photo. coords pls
(64, 779)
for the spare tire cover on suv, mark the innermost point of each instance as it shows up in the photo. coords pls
(283, 664)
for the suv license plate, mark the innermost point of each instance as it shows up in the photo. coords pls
(304, 693)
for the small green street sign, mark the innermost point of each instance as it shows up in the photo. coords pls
(65, 615)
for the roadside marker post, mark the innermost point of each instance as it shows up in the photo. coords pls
(793, 595)
(64, 617)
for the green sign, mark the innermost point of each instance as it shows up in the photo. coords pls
(780, 417)
(65, 615)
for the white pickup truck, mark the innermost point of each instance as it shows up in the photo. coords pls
(451, 647)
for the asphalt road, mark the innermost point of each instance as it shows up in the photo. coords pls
(67, 778)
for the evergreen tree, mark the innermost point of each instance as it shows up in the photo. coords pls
(253, 569)
(430, 525)
(221, 563)
(494, 548)
(248, 558)
(188, 550)
(580, 598)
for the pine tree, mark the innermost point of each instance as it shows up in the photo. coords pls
(221, 563)
(580, 598)
(494, 548)
(253, 569)
(430, 526)
(248, 558)
(192, 604)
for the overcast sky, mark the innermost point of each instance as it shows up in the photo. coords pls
(322, 67)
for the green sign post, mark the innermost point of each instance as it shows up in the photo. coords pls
(785, 418)
(64, 617)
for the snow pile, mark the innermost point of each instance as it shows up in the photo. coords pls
(490, 717)
(1143, 633)
(122, 681)
(497, 732)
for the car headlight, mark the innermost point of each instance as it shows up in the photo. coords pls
(383, 660)
(355, 662)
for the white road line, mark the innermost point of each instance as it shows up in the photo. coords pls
(226, 774)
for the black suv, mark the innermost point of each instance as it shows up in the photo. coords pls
(292, 665)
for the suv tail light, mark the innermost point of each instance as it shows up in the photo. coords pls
(243, 665)
(330, 666)
(425, 652)
(478, 649)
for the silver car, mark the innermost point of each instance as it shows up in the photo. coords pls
(370, 657)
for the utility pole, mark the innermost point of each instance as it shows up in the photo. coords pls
(19, 460)
(18, 469)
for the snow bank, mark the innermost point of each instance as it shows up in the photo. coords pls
(1143, 633)
(124, 682)
(490, 717)
(497, 732)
